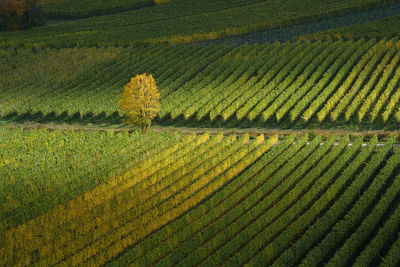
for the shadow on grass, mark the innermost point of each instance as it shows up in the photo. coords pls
(284, 124)
(65, 117)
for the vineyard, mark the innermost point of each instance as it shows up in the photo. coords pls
(212, 200)
(45, 169)
(376, 23)
(81, 9)
(333, 82)
(272, 136)
(183, 21)
(386, 27)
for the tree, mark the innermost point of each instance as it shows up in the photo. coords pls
(140, 101)
(19, 14)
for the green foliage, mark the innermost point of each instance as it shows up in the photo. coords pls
(163, 186)
(392, 257)
(19, 14)
(185, 21)
(171, 199)
(41, 169)
(291, 190)
(382, 28)
(321, 82)
(345, 227)
(85, 8)
(303, 244)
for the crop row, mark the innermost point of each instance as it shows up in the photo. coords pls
(42, 169)
(176, 22)
(225, 200)
(295, 82)
(279, 209)
(332, 241)
(102, 222)
(79, 9)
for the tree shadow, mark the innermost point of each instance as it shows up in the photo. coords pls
(272, 123)
(64, 117)
(115, 118)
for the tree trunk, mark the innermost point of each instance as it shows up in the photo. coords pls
(144, 128)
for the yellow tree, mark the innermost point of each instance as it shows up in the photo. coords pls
(140, 101)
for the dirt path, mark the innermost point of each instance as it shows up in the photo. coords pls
(383, 135)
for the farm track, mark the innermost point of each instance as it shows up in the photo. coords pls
(291, 33)
(252, 132)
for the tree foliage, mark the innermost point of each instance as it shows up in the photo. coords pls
(19, 14)
(159, 2)
(140, 101)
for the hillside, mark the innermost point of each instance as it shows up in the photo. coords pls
(386, 27)
(206, 200)
(276, 142)
(183, 21)
(307, 85)
(70, 9)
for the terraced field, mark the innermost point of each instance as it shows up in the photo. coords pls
(332, 82)
(209, 200)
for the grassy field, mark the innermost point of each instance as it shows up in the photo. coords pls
(262, 154)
